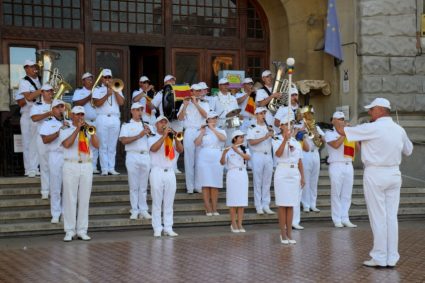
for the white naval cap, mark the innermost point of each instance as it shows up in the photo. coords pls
(86, 75)
(338, 115)
(293, 90)
(106, 72)
(203, 85)
(29, 62)
(379, 101)
(287, 118)
(160, 118)
(223, 81)
(169, 77)
(144, 79)
(196, 87)
(266, 73)
(57, 102)
(247, 81)
(212, 114)
(78, 109)
(46, 87)
(237, 133)
(136, 105)
(260, 109)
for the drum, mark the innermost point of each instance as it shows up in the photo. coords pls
(233, 122)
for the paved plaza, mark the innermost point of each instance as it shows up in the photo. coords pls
(212, 254)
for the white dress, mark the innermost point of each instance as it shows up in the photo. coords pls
(287, 177)
(208, 167)
(236, 180)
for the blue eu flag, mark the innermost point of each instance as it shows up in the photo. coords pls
(332, 36)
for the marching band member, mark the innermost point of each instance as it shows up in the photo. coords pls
(49, 132)
(264, 95)
(235, 159)
(282, 111)
(193, 112)
(246, 101)
(40, 112)
(223, 103)
(383, 142)
(162, 177)
(134, 135)
(204, 92)
(83, 97)
(77, 175)
(107, 102)
(209, 170)
(341, 173)
(28, 91)
(288, 178)
(260, 144)
(144, 95)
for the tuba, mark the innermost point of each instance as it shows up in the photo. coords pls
(280, 85)
(310, 125)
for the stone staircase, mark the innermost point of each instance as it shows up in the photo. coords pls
(23, 212)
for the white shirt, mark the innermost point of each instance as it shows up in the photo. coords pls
(259, 131)
(132, 129)
(157, 102)
(312, 146)
(143, 101)
(25, 86)
(158, 159)
(335, 154)
(223, 104)
(234, 160)
(210, 140)
(72, 153)
(48, 128)
(37, 109)
(242, 106)
(107, 108)
(261, 94)
(283, 112)
(291, 156)
(192, 117)
(383, 142)
(81, 93)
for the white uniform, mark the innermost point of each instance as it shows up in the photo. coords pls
(192, 123)
(150, 118)
(311, 164)
(55, 161)
(341, 174)
(262, 166)
(108, 128)
(260, 96)
(383, 143)
(163, 187)
(77, 185)
(223, 104)
(28, 127)
(287, 177)
(138, 165)
(248, 118)
(236, 180)
(37, 109)
(89, 116)
(209, 168)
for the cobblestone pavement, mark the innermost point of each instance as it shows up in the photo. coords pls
(212, 254)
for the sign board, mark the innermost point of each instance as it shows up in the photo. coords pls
(17, 143)
(234, 77)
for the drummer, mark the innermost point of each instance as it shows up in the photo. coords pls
(227, 107)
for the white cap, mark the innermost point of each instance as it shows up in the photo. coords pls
(266, 73)
(212, 114)
(338, 115)
(144, 79)
(57, 102)
(136, 105)
(287, 118)
(379, 101)
(237, 133)
(260, 109)
(293, 90)
(247, 81)
(106, 72)
(29, 62)
(46, 87)
(86, 75)
(160, 118)
(78, 109)
(223, 81)
(203, 85)
(196, 87)
(169, 77)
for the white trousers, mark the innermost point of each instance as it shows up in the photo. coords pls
(29, 135)
(108, 130)
(311, 164)
(382, 194)
(341, 175)
(44, 165)
(94, 151)
(190, 150)
(138, 167)
(163, 191)
(55, 182)
(262, 171)
(296, 219)
(77, 184)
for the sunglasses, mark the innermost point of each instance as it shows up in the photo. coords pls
(60, 106)
(107, 77)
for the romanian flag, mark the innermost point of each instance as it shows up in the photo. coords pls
(169, 149)
(83, 143)
(349, 149)
(148, 110)
(250, 106)
(181, 91)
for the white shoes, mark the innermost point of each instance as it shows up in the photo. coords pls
(104, 173)
(233, 230)
(268, 210)
(293, 242)
(315, 209)
(134, 216)
(68, 237)
(157, 234)
(349, 224)
(55, 220)
(44, 195)
(84, 237)
(177, 171)
(284, 241)
(208, 214)
(339, 225)
(372, 263)
(170, 233)
(297, 227)
(215, 213)
(306, 209)
(31, 174)
(145, 215)
(95, 171)
(113, 172)
(242, 230)
(260, 211)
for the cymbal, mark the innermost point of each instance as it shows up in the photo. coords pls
(233, 113)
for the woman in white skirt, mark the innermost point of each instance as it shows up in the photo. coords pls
(288, 177)
(209, 170)
(235, 158)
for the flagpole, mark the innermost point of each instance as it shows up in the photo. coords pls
(290, 62)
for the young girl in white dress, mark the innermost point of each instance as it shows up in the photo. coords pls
(235, 158)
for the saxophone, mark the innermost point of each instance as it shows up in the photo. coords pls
(310, 125)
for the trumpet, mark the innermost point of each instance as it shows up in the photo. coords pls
(89, 129)
(173, 134)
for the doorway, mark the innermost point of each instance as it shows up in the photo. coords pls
(146, 61)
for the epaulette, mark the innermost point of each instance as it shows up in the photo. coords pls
(39, 103)
(252, 126)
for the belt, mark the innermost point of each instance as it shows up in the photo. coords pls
(77, 161)
(139, 152)
(286, 165)
(110, 114)
(237, 168)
